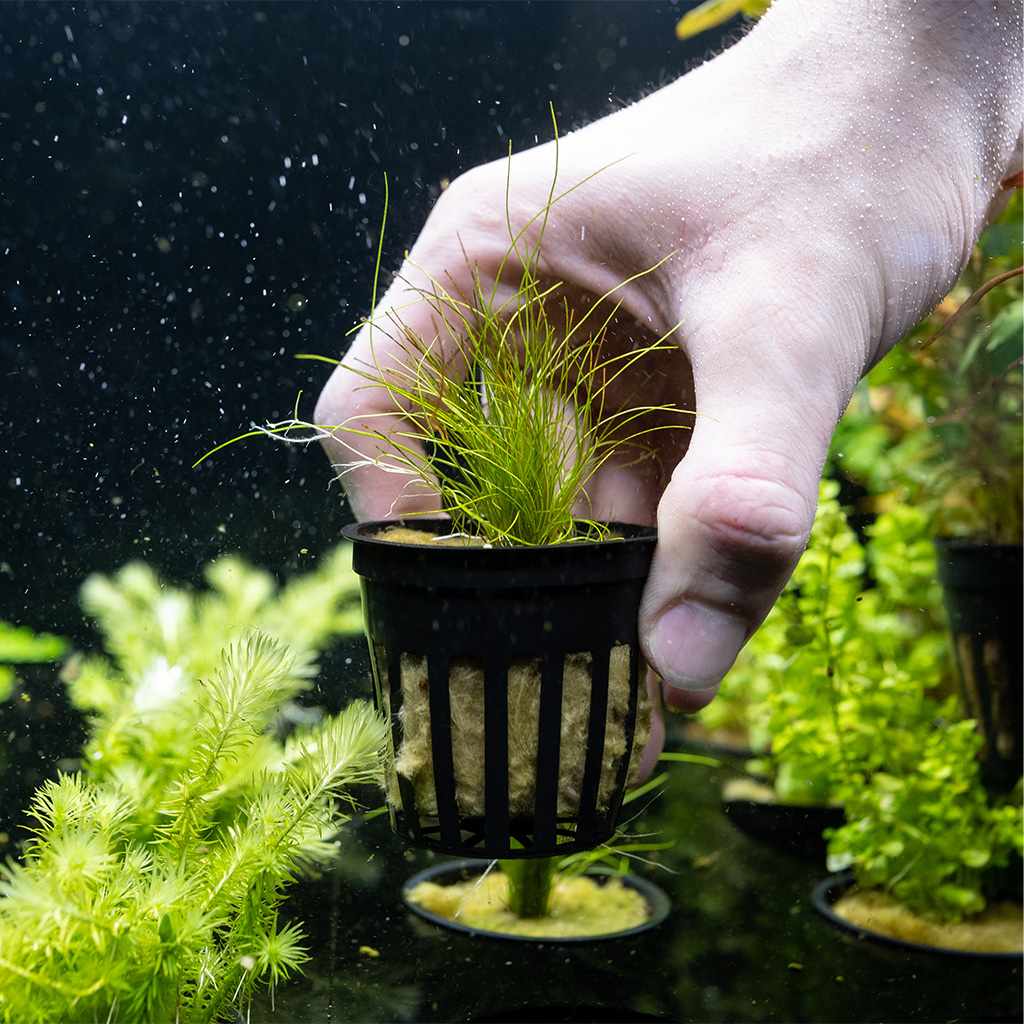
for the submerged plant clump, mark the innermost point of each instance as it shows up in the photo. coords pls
(512, 417)
(930, 835)
(839, 662)
(853, 710)
(149, 890)
(159, 903)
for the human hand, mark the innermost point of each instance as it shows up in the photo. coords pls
(820, 183)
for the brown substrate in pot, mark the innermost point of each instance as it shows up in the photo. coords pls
(581, 907)
(998, 929)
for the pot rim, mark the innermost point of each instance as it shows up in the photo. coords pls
(365, 532)
(779, 808)
(657, 901)
(973, 543)
(605, 563)
(829, 889)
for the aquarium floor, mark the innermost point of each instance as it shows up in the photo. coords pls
(742, 944)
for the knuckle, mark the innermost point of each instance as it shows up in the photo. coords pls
(339, 400)
(469, 202)
(756, 525)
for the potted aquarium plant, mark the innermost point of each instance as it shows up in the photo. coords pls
(503, 628)
(938, 425)
(929, 859)
(843, 659)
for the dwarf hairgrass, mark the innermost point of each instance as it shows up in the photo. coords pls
(514, 404)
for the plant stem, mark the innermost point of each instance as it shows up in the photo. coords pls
(529, 885)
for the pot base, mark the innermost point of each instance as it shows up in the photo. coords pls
(829, 891)
(453, 872)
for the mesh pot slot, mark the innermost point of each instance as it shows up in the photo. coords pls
(983, 597)
(553, 790)
(514, 696)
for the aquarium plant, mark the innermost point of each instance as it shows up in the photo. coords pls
(938, 424)
(504, 635)
(927, 833)
(849, 653)
(502, 628)
(142, 697)
(149, 891)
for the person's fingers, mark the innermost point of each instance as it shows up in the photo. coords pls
(424, 307)
(363, 419)
(737, 511)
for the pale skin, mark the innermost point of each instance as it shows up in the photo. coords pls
(821, 184)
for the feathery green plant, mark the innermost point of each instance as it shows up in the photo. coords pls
(143, 702)
(159, 903)
(511, 415)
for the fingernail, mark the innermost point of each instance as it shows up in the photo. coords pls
(693, 645)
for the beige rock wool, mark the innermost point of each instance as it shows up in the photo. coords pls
(414, 758)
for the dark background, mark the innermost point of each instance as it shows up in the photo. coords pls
(160, 265)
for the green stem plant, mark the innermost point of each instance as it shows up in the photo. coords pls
(150, 888)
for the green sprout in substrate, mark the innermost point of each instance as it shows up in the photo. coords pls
(516, 404)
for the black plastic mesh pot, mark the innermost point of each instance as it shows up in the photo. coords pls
(494, 610)
(982, 588)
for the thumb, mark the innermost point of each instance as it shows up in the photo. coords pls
(735, 515)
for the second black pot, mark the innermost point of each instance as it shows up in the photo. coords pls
(796, 829)
(984, 600)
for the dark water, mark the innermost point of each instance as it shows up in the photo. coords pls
(161, 263)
